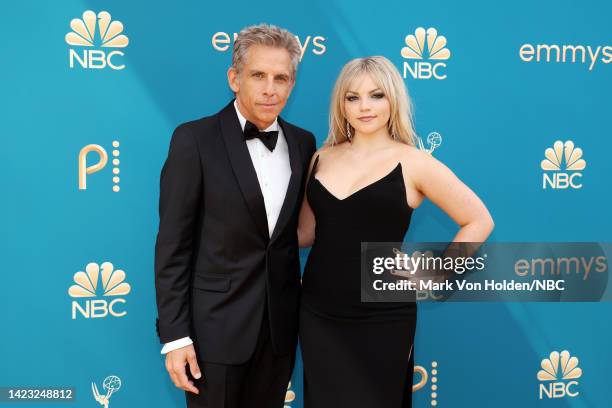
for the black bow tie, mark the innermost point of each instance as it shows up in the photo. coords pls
(268, 138)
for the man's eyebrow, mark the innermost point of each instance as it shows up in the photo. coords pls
(259, 71)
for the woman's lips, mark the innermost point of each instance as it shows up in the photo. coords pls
(366, 118)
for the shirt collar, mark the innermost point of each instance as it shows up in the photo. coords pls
(242, 119)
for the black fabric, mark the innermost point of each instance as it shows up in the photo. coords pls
(376, 213)
(214, 257)
(261, 382)
(269, 138)
(355, 354)
(356, 363)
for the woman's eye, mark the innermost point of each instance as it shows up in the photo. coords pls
(351, 98)
(378, 95)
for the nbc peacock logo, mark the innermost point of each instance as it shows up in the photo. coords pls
(562, 166)
(108, 35)
(558, 375)
(99, 281)
(421, 46)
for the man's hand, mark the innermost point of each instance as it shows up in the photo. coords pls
(176, 362)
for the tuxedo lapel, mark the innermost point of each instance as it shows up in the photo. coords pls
(243, 166)
(294, 182)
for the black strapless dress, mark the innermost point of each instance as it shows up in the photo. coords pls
(355, 354)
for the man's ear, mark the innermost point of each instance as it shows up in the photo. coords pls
(233, 79)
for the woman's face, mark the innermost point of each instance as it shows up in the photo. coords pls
(367, 107)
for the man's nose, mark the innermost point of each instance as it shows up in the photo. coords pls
(270, 87)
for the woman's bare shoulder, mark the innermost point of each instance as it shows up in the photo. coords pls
(328, 151)
(412, 154)
(323, 154)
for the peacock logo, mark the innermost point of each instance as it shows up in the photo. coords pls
(421, 46)
(108, 35)
(562, 165)
(558, 375)
(99, 281)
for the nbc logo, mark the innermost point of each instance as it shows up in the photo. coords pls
(425, 45)
(562, 156)
(87, 286)
(83, 34)
(84, 169)
(559, 366)
(111, 384)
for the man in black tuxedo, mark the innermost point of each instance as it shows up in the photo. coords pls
(227, 271)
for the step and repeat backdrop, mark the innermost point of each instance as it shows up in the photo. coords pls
(513, 96)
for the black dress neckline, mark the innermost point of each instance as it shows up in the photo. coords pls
(398, 166)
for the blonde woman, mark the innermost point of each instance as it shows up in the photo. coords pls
(363, 186)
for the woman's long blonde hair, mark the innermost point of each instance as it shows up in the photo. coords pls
(387, 78)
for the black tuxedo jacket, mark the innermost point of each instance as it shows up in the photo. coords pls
(215, 263)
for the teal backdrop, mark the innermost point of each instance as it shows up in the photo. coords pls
(498, 99)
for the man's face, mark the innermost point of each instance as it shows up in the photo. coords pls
(263, 84)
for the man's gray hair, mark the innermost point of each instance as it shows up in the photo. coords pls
(269, 35)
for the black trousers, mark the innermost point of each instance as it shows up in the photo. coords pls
(261, 382)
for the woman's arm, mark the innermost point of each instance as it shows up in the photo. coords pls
(440, 185)
(307, 222)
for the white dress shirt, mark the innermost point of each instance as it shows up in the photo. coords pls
(273, 172)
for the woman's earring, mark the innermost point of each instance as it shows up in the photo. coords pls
(393, 135)
(348, 132)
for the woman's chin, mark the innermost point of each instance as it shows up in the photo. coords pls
(368, 130)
